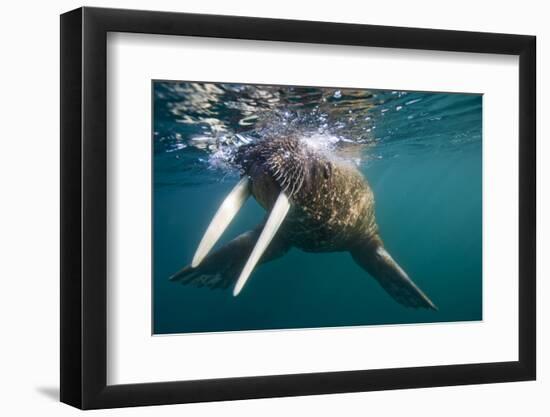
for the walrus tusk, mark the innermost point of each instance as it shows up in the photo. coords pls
(228, 209)
(276, 217)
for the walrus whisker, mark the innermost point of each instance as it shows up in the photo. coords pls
(274, 221)
(228, 209)
(298, 183)
(302, 178)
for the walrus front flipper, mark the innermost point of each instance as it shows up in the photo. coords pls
(221, 268)
(378, 263)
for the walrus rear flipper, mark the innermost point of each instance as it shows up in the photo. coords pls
(221, 268)
(378, 263)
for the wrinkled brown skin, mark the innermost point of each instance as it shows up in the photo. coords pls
(332, 209)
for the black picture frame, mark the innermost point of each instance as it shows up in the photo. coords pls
(84, 207)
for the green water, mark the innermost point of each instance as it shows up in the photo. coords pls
(421, 153)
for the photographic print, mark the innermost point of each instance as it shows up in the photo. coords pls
(295, 207)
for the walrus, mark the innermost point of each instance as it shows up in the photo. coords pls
(315, 201)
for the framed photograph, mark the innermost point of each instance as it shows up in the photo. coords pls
(258, 208)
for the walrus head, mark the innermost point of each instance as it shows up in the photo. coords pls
(274, 171)
(285, 164)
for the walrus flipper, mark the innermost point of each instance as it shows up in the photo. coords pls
(221, 268)
(378, 263)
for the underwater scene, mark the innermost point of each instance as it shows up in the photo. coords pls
(291, 207)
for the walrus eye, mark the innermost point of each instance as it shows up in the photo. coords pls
(228, 209)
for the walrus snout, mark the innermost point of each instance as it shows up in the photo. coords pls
(284, 161)
(264, 187)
